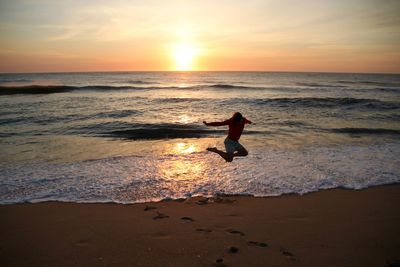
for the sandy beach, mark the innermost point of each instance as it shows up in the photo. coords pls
(200, 133)
(328, 228)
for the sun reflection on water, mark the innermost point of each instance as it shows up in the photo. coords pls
(181, 169)
(182, 163)
(185, 148)
(185, 119)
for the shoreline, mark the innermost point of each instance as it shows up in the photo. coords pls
(211, 198)
(331, 227)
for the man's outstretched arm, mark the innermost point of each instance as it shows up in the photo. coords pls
(247, 121)
(217, 123)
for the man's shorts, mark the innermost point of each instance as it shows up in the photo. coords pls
(232, 145)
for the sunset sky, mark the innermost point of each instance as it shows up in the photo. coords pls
(337, 36)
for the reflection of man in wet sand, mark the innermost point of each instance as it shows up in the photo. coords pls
(232, 145)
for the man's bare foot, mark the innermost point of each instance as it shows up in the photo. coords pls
(212, 149)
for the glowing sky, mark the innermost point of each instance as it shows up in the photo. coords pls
(320, 35)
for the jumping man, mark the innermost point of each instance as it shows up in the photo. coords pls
(232, 145)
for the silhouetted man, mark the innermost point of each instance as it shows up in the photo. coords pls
(232, 146)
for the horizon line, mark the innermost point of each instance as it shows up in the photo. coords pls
(193, 71)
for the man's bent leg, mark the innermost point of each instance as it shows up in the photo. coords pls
(241, 152)
(229, 157)
(226, 156)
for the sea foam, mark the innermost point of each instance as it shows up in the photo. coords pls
(265, 172)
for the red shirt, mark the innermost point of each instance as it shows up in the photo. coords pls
(235, 128)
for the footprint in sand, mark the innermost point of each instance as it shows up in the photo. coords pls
(202, 201)
(231, 231)
(233, 250)
(160, 216)
(223, 200)
(147, 208)
(205, 230)
(220, 263)
(258, 244)
(187, 219)
(288, 254)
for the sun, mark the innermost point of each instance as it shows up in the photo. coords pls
(184, 55)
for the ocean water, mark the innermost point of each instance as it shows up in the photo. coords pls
(131, 137)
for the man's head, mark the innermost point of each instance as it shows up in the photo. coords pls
(237, 117)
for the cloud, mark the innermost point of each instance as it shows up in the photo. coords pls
(252, 29)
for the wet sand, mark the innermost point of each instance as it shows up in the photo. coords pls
(327, 228)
